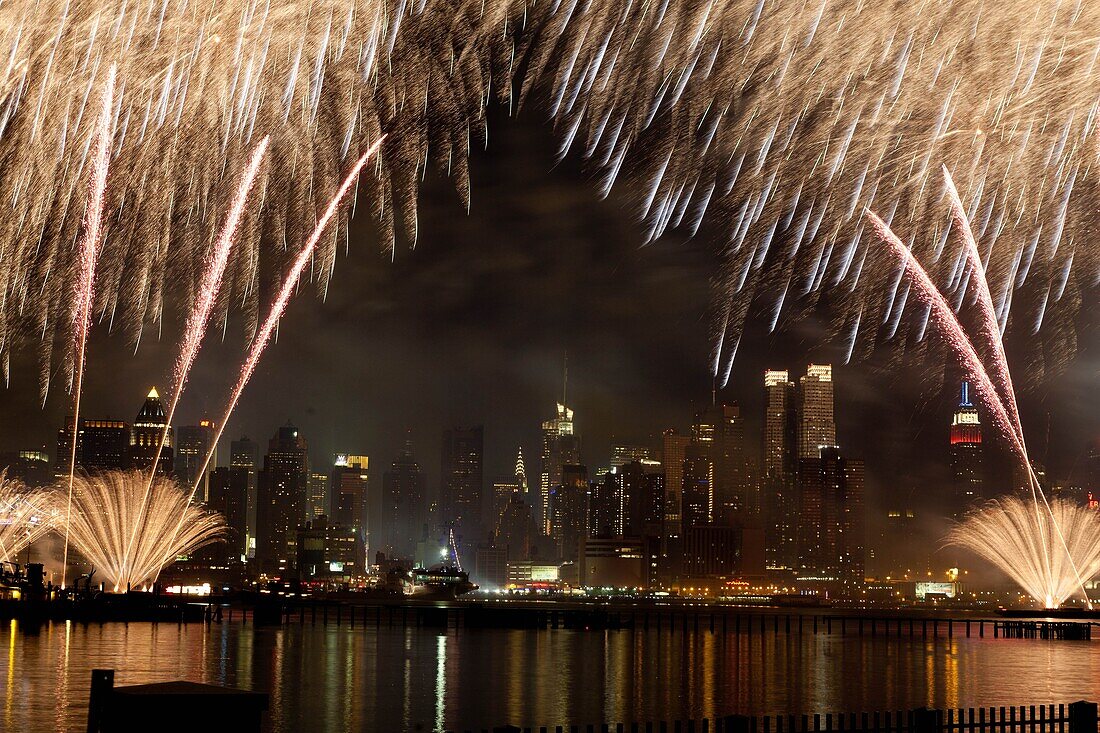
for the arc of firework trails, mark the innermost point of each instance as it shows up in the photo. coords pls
(990, 331)
(960, 344)
(84, 290)
(277, 309)
(199, 318)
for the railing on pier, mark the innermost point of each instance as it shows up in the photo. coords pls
(1078, 717)
(712, 619)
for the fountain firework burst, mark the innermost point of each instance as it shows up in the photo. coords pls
(107, 512)
(25, 517)
(1003, 531)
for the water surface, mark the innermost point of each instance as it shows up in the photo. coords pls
(380, 679)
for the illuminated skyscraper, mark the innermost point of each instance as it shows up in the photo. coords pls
(674, 452)
(462, 480)
(281, 491)
(697, 496)
(521, 473)
(816, 421)
(624, 454)
(560, 447)
(192, 444)
(967, 459)
(316, 504)
(349, 495)
(780, 461)
(146, 434)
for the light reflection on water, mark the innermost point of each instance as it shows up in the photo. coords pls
(338, 678)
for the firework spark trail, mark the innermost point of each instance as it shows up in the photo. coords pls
(989, 328)
(944, 318)
(84, 291)
(990, 332)
(280, 303)
(957, 340)
(199, 317)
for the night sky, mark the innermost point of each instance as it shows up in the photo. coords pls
(472, 326)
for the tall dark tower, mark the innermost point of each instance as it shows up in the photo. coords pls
(192, 444)
(281, 494)
(397, 520)
(831, 517)
(245, 454)
(462, 476)
(148, 429)
(967, 456)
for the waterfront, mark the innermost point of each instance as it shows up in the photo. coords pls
(329, 677)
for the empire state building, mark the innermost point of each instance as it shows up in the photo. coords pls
(967, 457)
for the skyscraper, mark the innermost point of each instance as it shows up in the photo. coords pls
(461, 480)
(697, 495)
(402, 515)
(521, 473)
(192, 444)
(720, 433)
(816, 421)
(149, 428)
(780, 467)
(639, 499)
(569, 511)
(281, 490)
(32, 467)
(560, 447)
(831, 517)
(317, 494)
(967, 457)
(349, 493)
(229, 496)
(674, 452)
(101, 445)
(245, 454)
(624, 454)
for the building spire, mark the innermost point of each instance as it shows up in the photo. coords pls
(565, 378)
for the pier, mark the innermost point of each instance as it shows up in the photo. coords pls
(1077, 717)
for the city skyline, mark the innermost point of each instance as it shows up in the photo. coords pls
(638, 352)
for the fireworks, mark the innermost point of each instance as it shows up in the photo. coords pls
(107, 512)
(25, 517)
(1004, 533)
(778, 123)
(1032, 543)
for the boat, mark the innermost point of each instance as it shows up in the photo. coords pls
(440, 581)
